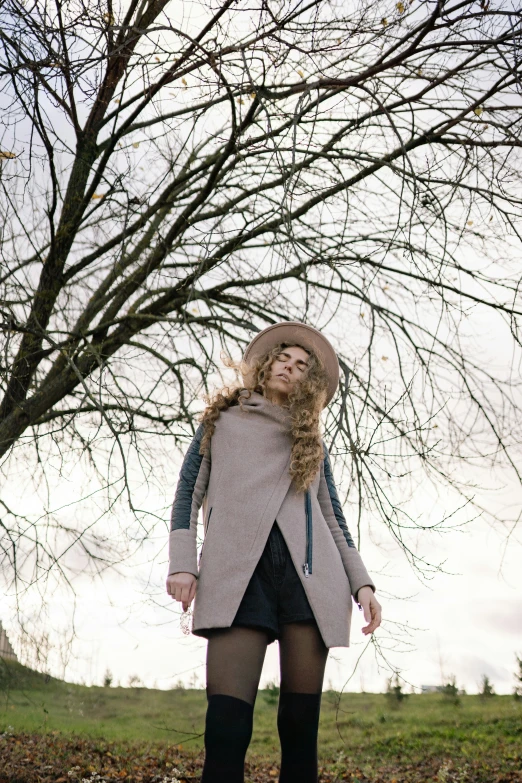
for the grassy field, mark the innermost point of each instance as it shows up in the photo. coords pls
(425, 737)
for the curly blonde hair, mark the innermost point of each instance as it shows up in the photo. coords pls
(305, 403)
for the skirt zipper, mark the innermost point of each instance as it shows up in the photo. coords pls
(307, 566)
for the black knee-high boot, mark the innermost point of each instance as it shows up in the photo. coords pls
(298, 724)
(228, 731)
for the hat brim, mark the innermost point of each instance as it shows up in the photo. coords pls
(296, 333)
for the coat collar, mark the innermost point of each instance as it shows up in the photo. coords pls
(257, 403)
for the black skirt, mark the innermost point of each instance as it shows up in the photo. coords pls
(274, 595)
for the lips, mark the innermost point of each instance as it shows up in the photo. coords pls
(285, 377)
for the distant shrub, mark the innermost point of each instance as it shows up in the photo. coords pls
(486, 688)
(135, 681)
(450, 692)
(107, 679)
(394, 692)
(271, 693)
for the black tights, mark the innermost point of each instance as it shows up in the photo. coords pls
(235, 658)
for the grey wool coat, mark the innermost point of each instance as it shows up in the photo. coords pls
(243, 483)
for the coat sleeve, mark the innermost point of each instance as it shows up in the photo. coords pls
(190, 491)
(333, 513)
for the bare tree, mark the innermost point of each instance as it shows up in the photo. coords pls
(174, 180)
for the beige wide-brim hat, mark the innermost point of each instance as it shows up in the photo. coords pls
(296, 333)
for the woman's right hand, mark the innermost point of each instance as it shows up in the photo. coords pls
(182, 587)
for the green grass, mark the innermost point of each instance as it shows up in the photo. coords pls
(361, 726)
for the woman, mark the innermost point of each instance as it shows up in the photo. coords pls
(278, 561)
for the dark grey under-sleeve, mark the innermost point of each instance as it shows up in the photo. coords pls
(188, 475)
(334, 497)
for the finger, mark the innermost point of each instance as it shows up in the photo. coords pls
(366, 610)
(185, 593)
(368, 628)
(192, 591)
(373, 625)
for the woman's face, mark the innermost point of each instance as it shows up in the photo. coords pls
(287, 369)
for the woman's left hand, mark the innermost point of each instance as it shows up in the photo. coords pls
(371, 608)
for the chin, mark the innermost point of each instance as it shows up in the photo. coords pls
(280, 388)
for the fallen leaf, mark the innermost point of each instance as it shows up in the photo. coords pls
(385, 359)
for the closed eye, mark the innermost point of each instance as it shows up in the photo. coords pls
(300, 364)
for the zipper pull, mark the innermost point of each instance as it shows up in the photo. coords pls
(305, 569)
